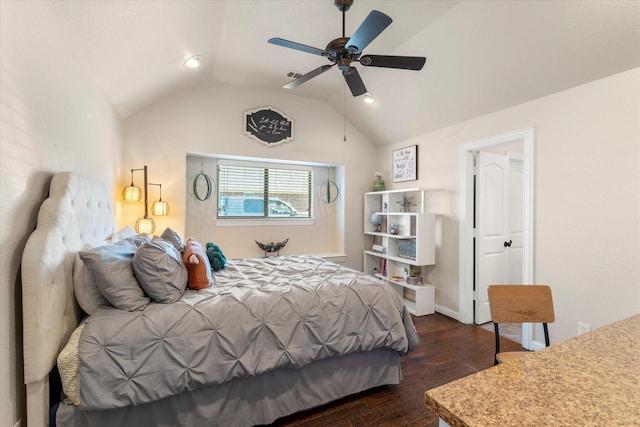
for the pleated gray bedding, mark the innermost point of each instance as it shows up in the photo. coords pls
(262, 314)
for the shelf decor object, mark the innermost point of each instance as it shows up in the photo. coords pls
(378, 182)
(405, 164)
(133, 193)
(406, 204)
(376, 221)
(407, 248)
(413, 275)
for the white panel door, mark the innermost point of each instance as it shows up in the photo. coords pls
(516, 221)
(492, 228)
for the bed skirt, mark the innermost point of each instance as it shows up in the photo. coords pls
(252, 400)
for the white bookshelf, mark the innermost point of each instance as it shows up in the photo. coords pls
(407, 234)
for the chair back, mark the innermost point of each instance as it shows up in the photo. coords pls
(521, 304)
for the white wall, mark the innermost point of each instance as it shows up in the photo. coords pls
(50, 120)
(587, 197)
(209, 120)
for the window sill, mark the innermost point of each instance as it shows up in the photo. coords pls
(232, 222)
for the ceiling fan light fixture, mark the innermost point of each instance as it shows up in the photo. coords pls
(368, 98)
(192, 62)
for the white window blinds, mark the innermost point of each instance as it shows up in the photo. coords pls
(250, 190)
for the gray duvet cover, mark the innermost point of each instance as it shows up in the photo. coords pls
(262, 314)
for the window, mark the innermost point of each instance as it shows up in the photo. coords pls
(258, 190)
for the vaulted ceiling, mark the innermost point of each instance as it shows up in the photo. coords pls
(482, 56)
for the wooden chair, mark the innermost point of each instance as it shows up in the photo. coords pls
(519, 304)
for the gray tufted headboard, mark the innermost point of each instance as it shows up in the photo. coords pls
(78, 211)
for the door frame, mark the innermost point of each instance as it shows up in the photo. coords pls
(466, 233)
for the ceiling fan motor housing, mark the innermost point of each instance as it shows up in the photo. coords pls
(337, 51)
(343, 5)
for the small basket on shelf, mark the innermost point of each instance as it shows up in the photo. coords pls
(414, 276)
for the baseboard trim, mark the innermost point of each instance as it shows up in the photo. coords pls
(537, 345)
(448, 312)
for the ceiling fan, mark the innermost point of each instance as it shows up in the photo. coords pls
(343, 51)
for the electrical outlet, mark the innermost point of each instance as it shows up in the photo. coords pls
(583, 328)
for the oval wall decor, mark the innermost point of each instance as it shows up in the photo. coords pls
(268, 126)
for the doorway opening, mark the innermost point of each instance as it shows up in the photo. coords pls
(467, 245)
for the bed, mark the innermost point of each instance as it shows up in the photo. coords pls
(350, 334)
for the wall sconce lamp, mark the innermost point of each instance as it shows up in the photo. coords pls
(132, 193)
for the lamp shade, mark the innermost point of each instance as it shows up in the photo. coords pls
(132, 193)
(160, 208)
(145, 225)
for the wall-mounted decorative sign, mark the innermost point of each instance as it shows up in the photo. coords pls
(405, 164)
(268, 126)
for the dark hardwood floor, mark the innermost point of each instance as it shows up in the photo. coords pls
(448, 350)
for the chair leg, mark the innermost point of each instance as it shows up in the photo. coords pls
(497, 334)
(546, 334)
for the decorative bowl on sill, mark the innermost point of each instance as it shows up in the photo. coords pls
(272, 246)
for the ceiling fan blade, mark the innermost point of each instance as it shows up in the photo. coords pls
(298, 46)
(387, 61)
(370, 28)
(354, 82)
(311, 74)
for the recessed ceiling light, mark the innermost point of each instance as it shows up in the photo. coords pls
(193, 62)
(368, 98)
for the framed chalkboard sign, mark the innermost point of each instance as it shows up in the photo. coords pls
(268, 126)
(405, 164)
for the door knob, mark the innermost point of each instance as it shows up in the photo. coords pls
(508, 244)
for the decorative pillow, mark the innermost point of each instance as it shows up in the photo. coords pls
(112, 271)
(85, 289)
(197, 263)
(216, 257)
(125, 233)
(159, 269)
(174, 238)
(69, 366)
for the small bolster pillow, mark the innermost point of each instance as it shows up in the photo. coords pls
(197, 263)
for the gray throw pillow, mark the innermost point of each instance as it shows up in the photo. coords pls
(174, 238)
(159, 269)
(85, 288)
(112, 270)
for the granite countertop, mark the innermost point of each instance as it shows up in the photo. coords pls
(589, 380)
